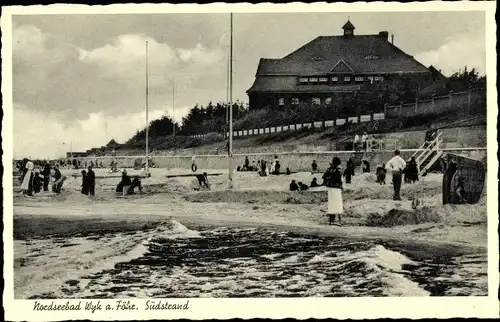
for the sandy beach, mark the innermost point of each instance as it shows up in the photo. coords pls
(254, 204)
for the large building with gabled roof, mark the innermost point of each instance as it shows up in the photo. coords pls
(328, 65)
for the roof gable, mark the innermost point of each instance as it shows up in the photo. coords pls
(356, 52)
(341, 67)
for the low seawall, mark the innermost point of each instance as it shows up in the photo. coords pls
(296, 161)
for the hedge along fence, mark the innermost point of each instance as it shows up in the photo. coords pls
(296, 161)
(467, 102)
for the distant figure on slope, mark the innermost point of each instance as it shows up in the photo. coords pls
(364, 139)
(247, 164)
(332, 179)
(294, 186)
(288, 172)
(396, 165)
(314, 183)
(355, 143)
(314, 167)
(366, 166)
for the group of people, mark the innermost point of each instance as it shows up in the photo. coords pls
(35, 179)
(360, 143)
(263, 167)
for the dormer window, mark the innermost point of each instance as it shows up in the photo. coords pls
(359, 79)
(335, 79)
(347, 79)
(313, 80)
(371, 57)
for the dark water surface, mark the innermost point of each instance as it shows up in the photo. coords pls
(173, 261)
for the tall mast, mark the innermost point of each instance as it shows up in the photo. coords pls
(230, 147)
(173, 105)
(147, 109)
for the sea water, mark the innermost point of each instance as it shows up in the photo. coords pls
(174, 261)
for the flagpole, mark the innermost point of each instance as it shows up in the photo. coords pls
(230, 147)
(173, 105)
(147, 109)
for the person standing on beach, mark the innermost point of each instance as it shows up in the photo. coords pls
(332, 179)
(314, 167)
(349, 171)
(85, 189)
(91, 180)
(46, 176)
(397, 164)
(450, 167)
(27, 183)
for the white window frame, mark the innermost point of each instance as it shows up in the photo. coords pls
(303, 80)
(295, 101)
(316, 100)
(335, 79)
(347, 79)
(281, 101)
(313, 79)
(370, 79)
(359, 79)
(323, 80)
(328, 100)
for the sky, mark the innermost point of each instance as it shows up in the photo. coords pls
(79, 80)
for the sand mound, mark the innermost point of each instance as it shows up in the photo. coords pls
(400, 217)
(258, 196)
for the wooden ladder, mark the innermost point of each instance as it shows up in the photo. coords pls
(428, 153)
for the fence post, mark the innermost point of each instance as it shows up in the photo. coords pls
(416, 105)
(400, 108)
(432, 102)
(385, 110)
(450, 99)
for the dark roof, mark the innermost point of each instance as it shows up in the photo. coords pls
(321, 55)
(348, 25)
(436, 73)
(112, 143)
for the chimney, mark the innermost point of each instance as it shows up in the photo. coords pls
(392, 39)
(384, 34)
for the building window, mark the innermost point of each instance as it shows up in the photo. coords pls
(313, 80)
(323, 80)
(328, 100)
(335, 79)
(370, 79)
(370, 57)
(295, 101)
(359, 79)
(347, 79)
(303, 80)
(378, 79)
(281, 101)
(316, 101)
